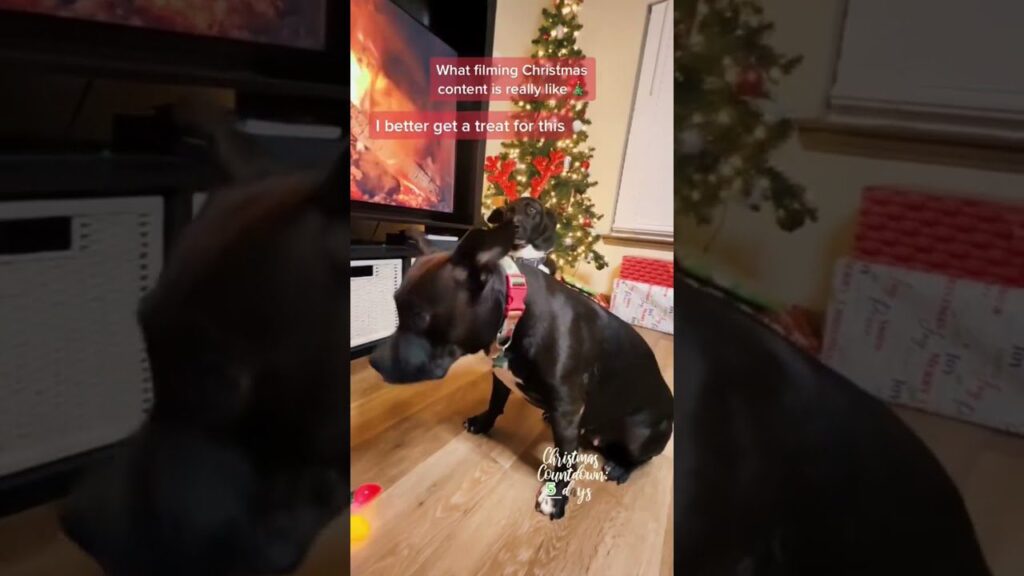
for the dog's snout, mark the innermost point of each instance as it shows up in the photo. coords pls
(406, 358)
(517, 223)
(386, 360)
(377, 357)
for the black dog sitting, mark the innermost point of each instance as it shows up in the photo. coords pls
(591, 371)
(790, 469)
(536, 231)
(241, 463)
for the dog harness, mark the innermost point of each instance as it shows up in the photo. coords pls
(535, 262)
(515, 306)
(531, 256)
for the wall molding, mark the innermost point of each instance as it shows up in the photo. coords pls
(918, 144)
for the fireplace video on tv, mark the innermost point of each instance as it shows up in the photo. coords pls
(292, 23)
(390, 66)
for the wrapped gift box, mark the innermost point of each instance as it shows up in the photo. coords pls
(946, 345)
(930, 311)
(958, 237)
(643, 294)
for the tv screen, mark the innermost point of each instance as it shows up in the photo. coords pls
(291, 23)
(390, 72)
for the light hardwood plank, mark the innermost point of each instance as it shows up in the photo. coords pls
(455, 504)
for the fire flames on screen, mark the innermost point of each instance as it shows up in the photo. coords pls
(293, 23)
(390, 66)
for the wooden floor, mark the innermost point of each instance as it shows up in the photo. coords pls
(988, 467)
(31, 544)
(455, 504)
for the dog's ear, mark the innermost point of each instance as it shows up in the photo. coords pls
(482, 248)
(239, 155)
(422, 243)
(549, 235)
(497, 216)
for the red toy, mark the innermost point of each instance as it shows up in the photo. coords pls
(359, 528)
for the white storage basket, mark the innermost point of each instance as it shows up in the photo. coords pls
(373, 287)
(73, 369)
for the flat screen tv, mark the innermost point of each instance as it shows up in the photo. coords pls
(390, 56)
(236, 43)
(294, 23)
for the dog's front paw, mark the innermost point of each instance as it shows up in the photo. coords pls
(550, 504)
(479, 424)
(615, 473)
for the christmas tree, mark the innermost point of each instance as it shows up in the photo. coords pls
(726, 128)
(556, 171)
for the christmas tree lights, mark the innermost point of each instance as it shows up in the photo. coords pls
(726, 125)
(556, 171)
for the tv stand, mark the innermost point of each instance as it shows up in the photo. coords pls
(85, 235)
(377, 250)
(376, 271)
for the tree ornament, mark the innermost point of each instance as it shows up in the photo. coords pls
(585, 165)
(760, 193)
(750, 83)
(559, 31)
(770, 110)
(730, 71)
(577, 125)
(762, 188)
(712, 83)
(587, 223)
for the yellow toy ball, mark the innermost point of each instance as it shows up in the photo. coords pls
(359, 528)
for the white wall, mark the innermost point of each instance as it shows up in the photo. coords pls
(795, 268)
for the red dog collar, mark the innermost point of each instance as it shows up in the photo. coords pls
(515, 301)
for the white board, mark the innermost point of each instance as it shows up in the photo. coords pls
(943, 57)
(644, 203)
